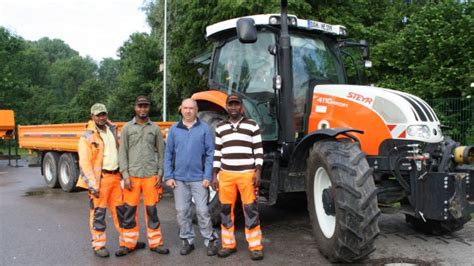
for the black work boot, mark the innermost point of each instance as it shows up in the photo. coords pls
(102, 252)
(187, 248)
(212, 247)
(122, 251)
(140, 245)
(226, 252)
(160, 250)
(256, 255)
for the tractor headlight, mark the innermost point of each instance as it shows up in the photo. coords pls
(419, 131)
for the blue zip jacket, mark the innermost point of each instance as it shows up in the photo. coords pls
(189, 152)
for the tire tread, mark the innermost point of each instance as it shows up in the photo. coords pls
(357, 211)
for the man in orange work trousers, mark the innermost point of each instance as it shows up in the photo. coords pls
(238, 159)
(98, 160)
(141, 164)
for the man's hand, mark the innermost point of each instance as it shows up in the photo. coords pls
(215, 182)
(206, 183)
(256, 178)
(94, 192)
(158, 181)
(127, 183)
(171, 183)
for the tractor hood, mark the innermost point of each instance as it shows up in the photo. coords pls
(405, 115)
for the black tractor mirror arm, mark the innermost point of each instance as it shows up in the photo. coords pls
(362, 44)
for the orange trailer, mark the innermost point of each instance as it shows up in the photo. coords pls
(7, 124)
(56, 145)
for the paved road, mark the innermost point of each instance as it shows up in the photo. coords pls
(42, 226)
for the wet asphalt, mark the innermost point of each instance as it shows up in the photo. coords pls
(43, 226)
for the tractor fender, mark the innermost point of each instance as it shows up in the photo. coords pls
(212, 100)
(298, 158)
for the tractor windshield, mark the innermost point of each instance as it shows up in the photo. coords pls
(249, 69)
(314, 62)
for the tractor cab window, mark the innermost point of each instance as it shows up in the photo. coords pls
(314, 63)
(249, 70)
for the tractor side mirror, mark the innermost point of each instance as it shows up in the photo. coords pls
(246, 30)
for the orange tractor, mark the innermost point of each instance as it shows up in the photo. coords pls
(355, 150)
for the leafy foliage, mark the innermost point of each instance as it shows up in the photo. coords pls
(432, 56)
(424, 48)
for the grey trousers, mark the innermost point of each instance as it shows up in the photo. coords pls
(183, 194)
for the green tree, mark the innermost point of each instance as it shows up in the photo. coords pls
(10, 83)
(90, 92)
(66, 75)
(38, 104)
(433, 55)
(55, 49)
(108, 73)
(138, 75)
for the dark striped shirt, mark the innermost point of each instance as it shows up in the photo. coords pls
(238, 147)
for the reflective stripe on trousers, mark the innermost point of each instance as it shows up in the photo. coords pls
(110, 194)
(229, 184)
(151, 196)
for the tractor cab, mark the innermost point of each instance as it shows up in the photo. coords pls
(251, 69)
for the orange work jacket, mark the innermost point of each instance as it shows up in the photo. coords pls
(91, 155)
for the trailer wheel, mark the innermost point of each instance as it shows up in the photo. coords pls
(68, 172)
(432, 227)
(50, 169)
(342, 200)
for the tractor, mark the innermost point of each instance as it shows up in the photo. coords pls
(355, 150)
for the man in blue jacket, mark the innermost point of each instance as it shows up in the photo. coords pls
(188, 170)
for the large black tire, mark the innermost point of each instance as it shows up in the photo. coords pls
(50, 169)
(68, 172)
(214, 208)
(211, 118)
(432, 227)
(342, 200)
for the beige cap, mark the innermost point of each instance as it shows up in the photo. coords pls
(98, 108)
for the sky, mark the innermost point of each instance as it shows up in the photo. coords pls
(96, 28)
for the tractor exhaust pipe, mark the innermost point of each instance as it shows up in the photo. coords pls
(285, 69)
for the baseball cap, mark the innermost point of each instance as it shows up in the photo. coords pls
(98, 108)
(142, 100)
(233, 98)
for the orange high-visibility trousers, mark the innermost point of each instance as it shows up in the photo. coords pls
(151, 196)
(229, 183)
(110, 194)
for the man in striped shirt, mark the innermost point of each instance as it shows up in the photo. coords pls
(238, 159)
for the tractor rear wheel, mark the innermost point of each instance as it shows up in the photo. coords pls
(214, 208)
(342, 200)
(211, 118)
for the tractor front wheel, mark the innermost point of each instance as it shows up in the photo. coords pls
(342, 200)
